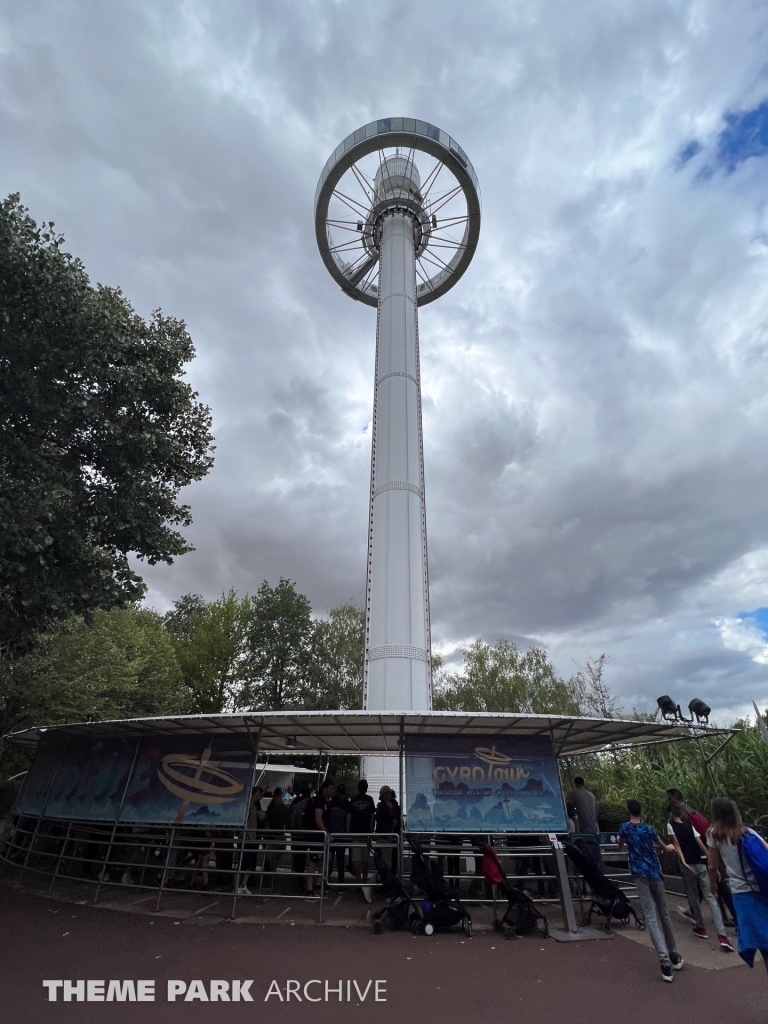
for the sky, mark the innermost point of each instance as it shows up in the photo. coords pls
(594, 388)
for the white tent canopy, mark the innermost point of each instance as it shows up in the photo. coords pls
(380, 732)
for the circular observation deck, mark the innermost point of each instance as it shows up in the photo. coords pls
(375, 170)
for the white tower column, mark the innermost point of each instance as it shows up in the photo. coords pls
(396, 242)
(398, 672)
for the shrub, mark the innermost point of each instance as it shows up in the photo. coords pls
(610, 815)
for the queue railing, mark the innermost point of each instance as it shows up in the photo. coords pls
(188, 859)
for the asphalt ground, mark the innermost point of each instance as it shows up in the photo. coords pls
(440, 978)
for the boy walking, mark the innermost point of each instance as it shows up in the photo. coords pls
(692, 854)
(640, 840)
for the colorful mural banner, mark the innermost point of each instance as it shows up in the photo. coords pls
(39, 779)
(168, 780)
(189, 780)
(91, 779)
(474, 784)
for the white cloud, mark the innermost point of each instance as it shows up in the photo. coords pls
(594, 388)
(742, 635)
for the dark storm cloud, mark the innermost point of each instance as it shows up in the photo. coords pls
(594, 386)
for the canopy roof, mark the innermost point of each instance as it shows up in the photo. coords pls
(379, 732)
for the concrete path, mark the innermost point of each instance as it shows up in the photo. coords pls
(442, 978)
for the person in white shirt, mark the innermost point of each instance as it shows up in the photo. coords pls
(724, 843)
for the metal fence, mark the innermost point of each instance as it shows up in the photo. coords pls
(262, 864)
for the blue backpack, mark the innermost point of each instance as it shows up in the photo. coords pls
(752, 849)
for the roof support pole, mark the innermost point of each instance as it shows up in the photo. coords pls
(117, 817)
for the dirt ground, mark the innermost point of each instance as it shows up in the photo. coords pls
(442, 978)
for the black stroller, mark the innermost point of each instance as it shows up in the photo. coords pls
(522, 916)
(400, 911)
(608, 900)
(440, 909)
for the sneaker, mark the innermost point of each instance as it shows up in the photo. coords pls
(666, 972)
(243, 890)
(677, 961)
(700, 933)
(725, 944)
(686, 913)
(367, 893)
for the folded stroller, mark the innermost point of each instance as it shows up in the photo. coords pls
(440, 909)
(400, 911)
(608, 900)
(522, 916)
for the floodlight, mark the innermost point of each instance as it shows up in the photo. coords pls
(700, 711)
(670, 712)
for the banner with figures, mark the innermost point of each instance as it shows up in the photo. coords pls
(167, 780)
(475, 784)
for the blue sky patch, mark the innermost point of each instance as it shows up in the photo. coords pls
(759, 616)
(689, 152)
(745, 135)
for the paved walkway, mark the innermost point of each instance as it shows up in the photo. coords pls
(442, 978)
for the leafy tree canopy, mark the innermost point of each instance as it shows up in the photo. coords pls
(120, 665)
(98, 433)
(266, 652)
(279, 644)
(502, 678)
(338, 651)
(210, 643)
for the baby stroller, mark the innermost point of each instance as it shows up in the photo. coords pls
(608, 900)
(440, 909)
(522, 916)
(400, 911)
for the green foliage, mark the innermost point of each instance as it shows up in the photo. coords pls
(178, 622)
(279, 649)
(99, 434)
(338, 649)
(740, 772)
(210, 644)
(594, 694)
(502, 678)
(121, 665)
(610, 815)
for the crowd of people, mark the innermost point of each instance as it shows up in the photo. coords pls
(309, 815)
(714, 870)
(722, 863)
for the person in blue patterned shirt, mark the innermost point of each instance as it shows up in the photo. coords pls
(641, 841)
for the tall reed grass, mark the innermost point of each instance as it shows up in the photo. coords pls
(739, 771)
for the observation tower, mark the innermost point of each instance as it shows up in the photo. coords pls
(396, 235)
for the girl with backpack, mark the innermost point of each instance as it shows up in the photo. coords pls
(745, 855)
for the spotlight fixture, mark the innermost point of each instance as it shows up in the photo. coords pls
(670, 711)
(700, 711)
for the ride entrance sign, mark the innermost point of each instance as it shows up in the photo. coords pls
(474, 784)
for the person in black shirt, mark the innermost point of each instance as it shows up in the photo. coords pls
(361, 813)
(316, 824)
(692, 854)
(275, 820)
(337, 825)
(388, 820)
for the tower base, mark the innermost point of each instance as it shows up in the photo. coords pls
(381, 770)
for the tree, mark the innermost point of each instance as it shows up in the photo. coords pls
(99, 433)
(120, 665)
(178, 621)
(505, 679)
(210, 644)
(596, 696)
(279, 649)
(338, 648)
